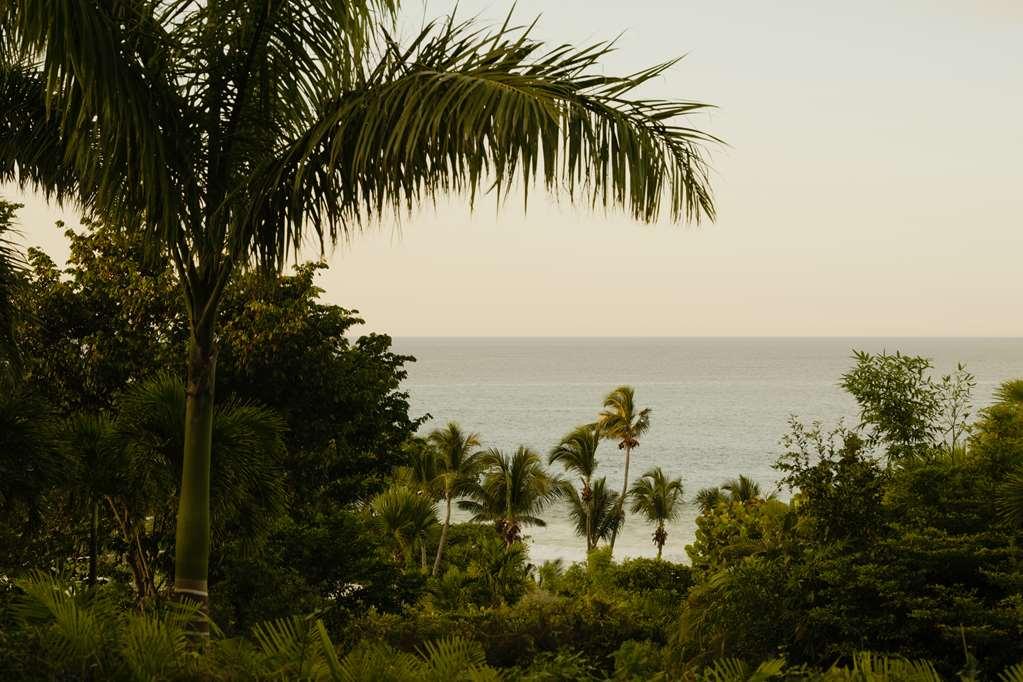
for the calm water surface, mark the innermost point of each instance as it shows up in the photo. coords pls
(719, 405)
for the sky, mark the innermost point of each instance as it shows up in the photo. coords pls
(870, 186)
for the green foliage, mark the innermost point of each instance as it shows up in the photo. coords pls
(838, 486)
(597, 516)
(513, 492)
(639, 661)
(659, 500)
(906, 409)
(11, 280)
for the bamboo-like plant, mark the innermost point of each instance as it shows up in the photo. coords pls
(230, 132)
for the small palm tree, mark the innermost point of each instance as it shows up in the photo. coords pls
(709, 498)
(408, 517)
(743, 490)
(622, 421)
(97, 470)
(658, 498)
(577, 452)
(598, 516)
(513, 492)
(457, 471)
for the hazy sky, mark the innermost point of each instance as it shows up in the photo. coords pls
(872, 186)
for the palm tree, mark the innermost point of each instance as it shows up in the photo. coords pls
(597, 516)
(577, 452)
(458, 466)
(229, 133)
(11, 263)
(97, 470)
(247, 484)
(407, 516)
(741, 490)
(621, 421)
(709, 498)
(514, 490)
(658, 498)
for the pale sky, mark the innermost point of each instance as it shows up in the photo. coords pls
(871, 186)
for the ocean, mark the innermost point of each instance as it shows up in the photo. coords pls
(719, 405)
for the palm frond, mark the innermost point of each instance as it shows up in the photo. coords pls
(462, 110)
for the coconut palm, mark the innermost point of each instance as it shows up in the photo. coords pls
(742, 490)
(408, 517)
(577, 452)
(513, 492)
(598, 516)
(659, 499)
(709, 498)
(231, 132)
(458, 466)
(620, 420)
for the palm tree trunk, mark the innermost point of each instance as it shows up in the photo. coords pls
(588, 506)
(192, 541)
(443, 537)
(621, 500)
(660, 542)
(93, 542)
(422, 552)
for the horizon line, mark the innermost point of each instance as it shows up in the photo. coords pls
(705, 336)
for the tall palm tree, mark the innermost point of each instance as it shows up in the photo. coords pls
(659, 499)
(230, 132)
(458, 467)
(407, 516)
(513, 492)
(577, 452)
(620, 420)
(598, 516)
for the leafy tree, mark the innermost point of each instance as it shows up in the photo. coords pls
(457, 471)
(513, 492)
(32, 465)
(577, 452)
(225, 132)
(622, 421)
(657, 498)
(839, 487)
(905, 409)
